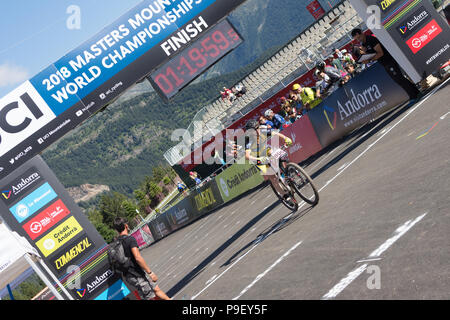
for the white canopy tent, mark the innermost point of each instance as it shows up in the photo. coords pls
(16, 256)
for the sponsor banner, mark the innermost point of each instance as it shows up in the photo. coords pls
(29, 205)
(147, 235)
(206, 198)
(180, 214)
(238, 179)
(160, 227)
(59, 236)
(72, 253)
(138, 236)
(362, 99)
(413, 32)
(46, 219)
(305, 142)
(316, 10)
(20, 187)
(71, 247)
(424, 36)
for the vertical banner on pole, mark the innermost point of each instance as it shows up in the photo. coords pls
(37, 206)
(411, 30)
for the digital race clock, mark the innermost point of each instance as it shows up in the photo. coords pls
(184, 68)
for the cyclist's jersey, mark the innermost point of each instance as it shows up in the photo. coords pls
(260, 149)
(257, 149)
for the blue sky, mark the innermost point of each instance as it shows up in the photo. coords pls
(34, 33)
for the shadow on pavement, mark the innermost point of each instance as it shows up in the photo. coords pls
(196, 271)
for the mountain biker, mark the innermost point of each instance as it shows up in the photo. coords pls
(258, 151)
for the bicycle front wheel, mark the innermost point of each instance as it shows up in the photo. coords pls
(302, 183)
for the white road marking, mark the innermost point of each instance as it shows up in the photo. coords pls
(368, 260)
(260, 276)
(212, 279)
(344, 282)
(337, 289)
(444, 116)
(398, 234)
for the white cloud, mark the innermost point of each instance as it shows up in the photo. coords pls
(11, 74)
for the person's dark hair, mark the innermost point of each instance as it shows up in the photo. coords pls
(356, 31)
(252, 124)
(119, 224)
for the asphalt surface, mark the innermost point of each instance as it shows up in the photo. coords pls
(380, 230)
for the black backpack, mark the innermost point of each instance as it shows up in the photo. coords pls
(116, 256)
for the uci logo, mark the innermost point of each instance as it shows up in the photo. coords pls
(22, 112)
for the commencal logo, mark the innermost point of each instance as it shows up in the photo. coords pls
(333, 115)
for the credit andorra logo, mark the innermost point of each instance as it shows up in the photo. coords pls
(403, 29)
(358, 101)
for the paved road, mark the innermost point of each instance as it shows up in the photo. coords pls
(380, 231)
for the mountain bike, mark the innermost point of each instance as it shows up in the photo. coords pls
(292, 179)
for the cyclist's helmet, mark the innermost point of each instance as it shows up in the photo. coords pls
(320, 65)
(252, 124)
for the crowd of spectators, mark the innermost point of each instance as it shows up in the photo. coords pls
(339, 68)
(230, 95)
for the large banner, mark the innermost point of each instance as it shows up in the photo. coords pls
(362, 99)
(411, 30)
(36, 205)
(69, 91)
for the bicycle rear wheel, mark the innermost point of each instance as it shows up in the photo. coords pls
(292, 204)
(302, 183)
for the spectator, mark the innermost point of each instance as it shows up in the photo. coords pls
(227, 95)
(348, 58)
(194, 176)
(336, 63)
(240, 90)
(332, 73)
(351, 70)
(138, 273)
(322, 84)
(307, 96)
(276, 119)
(264, 122)
(370, 44)
(297, 102)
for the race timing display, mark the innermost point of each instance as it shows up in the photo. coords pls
(169, 79)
